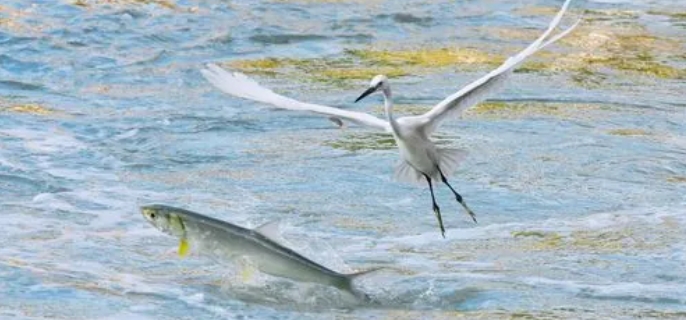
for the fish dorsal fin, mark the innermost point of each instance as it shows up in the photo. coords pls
(270, 230)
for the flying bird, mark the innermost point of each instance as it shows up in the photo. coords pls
(421, 160)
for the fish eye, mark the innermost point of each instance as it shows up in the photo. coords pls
(152, 215)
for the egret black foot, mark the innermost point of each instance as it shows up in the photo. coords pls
(469, 211)
(458, 197)
(437, 212)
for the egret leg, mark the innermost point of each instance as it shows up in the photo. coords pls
(437, 210)
(458, 197)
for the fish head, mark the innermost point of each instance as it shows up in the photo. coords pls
(164, 219)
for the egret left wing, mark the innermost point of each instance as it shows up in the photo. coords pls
(239, 85)
(476, 91)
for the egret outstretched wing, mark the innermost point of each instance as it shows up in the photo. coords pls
(239, 85)
(477, 91)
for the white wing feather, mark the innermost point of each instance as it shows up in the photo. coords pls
(476, 91)
(239, 85)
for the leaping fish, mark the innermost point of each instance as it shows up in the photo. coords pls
(221, 238)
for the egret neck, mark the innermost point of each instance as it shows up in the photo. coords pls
(388, 107)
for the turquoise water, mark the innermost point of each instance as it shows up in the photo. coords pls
(581, 210)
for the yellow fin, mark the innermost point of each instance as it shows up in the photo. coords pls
(183, 247)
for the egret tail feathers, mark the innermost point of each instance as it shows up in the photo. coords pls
(448, 160)
(404, 172)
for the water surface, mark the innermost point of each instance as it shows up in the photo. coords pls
(576, 172)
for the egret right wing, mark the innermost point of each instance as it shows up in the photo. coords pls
(239, 85)
(477, 91)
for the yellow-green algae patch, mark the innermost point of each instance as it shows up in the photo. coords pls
(609, 14)
(169, 4)
(376, 141)
(658, 314)
(539, 234)
(641, 62)
(495, 314)
(638, 54)
(327, 1)
(591, 241)
(633, 51)
(538, 241)
(356, 224)
(508, 109)
(29, 108)
(363, 64)
(673, 15)
(319, 69)
(522, 109)
(403, 109)
(361, 73)
(429, 58)
(259, 64)
(15, 20)
(628, 132)
(268, 66)
(677, 179)
(607, 41)
(587, 14)
(539, 11)
(363, 141)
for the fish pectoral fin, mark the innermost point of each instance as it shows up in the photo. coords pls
(183, 247)
(270, 230)
(247, 273)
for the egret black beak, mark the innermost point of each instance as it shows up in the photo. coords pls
(366, 93)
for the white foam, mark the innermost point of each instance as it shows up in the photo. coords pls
(613, 290)
(128, 134)
(597, 221)
(55, 141)
(82, 174)
(126, 315)
(4, 161)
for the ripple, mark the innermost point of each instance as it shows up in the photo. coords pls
(285, 38)
(19, 66)
(577, 175)
(21, 186)
(408, 18)
(20, 86)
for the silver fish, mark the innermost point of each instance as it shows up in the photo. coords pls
(224, 239)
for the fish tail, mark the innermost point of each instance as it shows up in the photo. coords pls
(348, 286)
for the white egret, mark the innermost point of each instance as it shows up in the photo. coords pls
(421, 158)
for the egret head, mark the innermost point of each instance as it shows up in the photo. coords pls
(378, 82)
